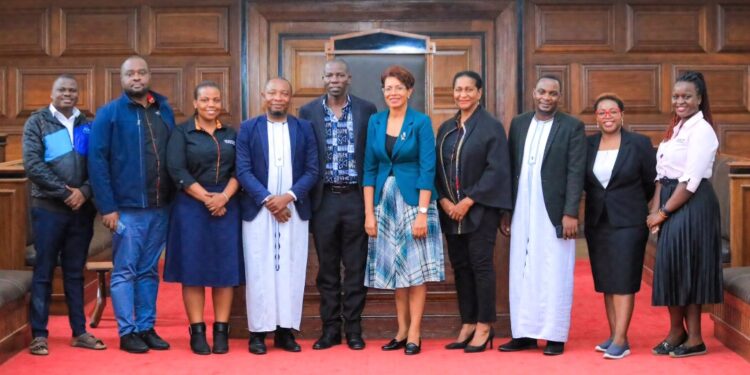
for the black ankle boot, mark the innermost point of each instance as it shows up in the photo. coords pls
(198, 343)
(221, 338)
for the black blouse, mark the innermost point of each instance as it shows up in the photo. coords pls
(194, 155)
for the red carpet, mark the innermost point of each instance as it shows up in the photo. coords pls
(588, 328)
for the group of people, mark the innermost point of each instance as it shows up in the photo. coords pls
(378, 190)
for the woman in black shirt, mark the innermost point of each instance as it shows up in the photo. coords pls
(203, 244)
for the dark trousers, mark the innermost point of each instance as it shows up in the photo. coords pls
(67, 236)
(338, 228)
(471, 256)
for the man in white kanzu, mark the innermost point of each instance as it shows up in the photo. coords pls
(277, 165)
(548, 163)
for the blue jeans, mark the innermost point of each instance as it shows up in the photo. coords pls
(136, 247)
(67, 236)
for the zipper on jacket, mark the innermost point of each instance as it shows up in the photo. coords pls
(156, 155)
(218, 155)
(144, 200)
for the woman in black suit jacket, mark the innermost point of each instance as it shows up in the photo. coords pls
(619, 183)
(473, 184)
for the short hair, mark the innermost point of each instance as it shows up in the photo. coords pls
(66, 76)
(280, 79)
(471, 74)
(133, 57)
(400, 73)
(549, 76)
(205, 84)
(609, 96)
(338, 61)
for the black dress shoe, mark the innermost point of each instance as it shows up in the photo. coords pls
(664, 347)
(284, 339)
(257, 344)
(480, 348)
(412, 348)
(688, 351)
(221, 338)
(153, 340)
(327, 340)
(521, 343)
(132, 343)
(460, 344)
(394, 345)
(354, 341)
(198, 343)
(554, 348)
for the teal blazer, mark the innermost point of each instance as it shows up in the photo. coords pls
(413, 162)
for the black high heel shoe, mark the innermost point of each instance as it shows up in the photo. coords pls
(412, 348)
(480, 348)
(394, 345)
(460, 344)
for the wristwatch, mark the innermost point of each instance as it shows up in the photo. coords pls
(422, 210)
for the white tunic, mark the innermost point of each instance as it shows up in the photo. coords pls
(275, 253)
(541, 265)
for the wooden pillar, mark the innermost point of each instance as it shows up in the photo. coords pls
(739, 213)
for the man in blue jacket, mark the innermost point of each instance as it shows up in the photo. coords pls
(62, 216)
(127, 165)
(277, 166)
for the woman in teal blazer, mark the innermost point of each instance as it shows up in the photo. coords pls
(405, 248)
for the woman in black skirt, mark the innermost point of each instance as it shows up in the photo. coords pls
(619, 184)
(473, 184)
(203, 243)
(685, 213)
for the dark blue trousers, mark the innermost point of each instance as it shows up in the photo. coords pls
(67, 236)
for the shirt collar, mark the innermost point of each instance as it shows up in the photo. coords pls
(150, 99)
(346, 106)
(696, 118)
(197, 127)
(55, 112)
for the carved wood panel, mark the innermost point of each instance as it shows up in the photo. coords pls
(734, 30)
(593, 31)
(190, 30)
(658, 28)
(24, 31)
(83, 31)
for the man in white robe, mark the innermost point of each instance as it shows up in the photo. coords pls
(548, 161)
(277, 165)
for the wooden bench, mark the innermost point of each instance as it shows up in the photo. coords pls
(15, 332)
(101, 268)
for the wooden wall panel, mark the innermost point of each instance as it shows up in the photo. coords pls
(734, 139)
(637, 85)
(675, 28)
(186, 30)
(182, 40)
(653, 42)
(3, 90)
(453, 55)
(593, 31)
(92, 31)
(34, 87)
(727, 85)
(734, 29)
(24, 32)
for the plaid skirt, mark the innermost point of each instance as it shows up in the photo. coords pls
(395, 259)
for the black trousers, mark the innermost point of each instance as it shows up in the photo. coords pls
(338, 227)
(471, 255)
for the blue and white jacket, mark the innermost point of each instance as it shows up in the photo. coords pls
(52, 160)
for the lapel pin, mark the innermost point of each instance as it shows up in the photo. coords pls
(403, 136)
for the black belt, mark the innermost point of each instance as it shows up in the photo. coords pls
(340, 188)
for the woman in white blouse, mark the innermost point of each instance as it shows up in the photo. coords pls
(619, 183)
(685, 213)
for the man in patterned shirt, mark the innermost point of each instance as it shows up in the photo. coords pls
(340, 122)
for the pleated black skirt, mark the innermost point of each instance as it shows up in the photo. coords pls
(616, 256)
(688, 255)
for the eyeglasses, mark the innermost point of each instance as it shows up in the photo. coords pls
(389, 89)
(607, 113)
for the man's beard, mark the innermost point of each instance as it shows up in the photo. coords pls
(137, 93)
(277, 113)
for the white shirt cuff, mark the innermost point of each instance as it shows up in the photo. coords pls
(292, 194)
